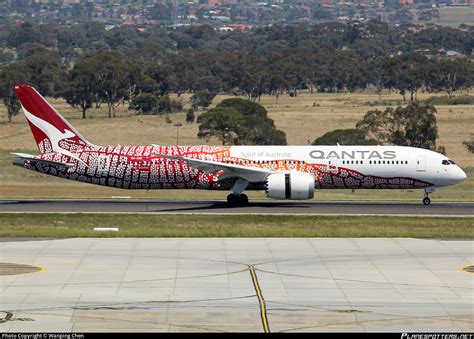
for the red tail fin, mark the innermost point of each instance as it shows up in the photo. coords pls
(50, 130)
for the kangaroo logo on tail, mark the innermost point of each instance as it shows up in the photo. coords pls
(54, 135)
(48, 125)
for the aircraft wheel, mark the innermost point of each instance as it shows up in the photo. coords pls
(232, 200)
(426, 201)
(243, 200)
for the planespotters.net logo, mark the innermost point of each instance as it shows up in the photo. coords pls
(437, 336)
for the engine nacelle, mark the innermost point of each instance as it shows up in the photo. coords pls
(292, 186)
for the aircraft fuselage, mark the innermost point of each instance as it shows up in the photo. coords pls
(333, 167)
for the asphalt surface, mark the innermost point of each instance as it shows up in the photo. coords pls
(237, 285)
(255, 207)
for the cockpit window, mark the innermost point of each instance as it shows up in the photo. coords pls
(452, 162)
(445, 162)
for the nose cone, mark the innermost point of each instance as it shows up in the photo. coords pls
(460, 175)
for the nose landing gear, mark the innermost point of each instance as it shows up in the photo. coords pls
(426, 199)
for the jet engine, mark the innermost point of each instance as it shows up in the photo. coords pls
(292, 186)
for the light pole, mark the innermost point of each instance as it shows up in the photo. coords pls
(178, 125)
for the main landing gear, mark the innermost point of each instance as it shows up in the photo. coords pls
(235, 200)
(426, 199)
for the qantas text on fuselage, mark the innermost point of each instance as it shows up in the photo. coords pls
(360, 154)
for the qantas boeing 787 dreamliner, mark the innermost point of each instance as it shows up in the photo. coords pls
(284, 172)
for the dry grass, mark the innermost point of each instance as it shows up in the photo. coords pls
(301, 121)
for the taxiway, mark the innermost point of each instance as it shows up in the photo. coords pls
(223, 285)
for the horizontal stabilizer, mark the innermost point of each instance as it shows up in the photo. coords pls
(33, 159)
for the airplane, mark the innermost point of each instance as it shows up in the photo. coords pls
(283, 172)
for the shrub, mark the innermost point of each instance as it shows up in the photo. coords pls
(190, 116)
(145, 103)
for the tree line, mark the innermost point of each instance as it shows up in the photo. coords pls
(327, 57)
(109, 78)
(368, 40)
(90, 66)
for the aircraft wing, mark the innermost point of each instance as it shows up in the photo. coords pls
(36, 160)
(251, 174)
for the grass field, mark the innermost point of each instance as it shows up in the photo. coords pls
(135, 225)
(303, 119)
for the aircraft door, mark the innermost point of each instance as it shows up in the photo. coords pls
(421, 163)
(333, 166)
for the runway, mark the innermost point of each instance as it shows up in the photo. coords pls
(236, 285)
(255, 207)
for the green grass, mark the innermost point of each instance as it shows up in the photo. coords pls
(386, 103)
(433, 100)
(445, 100)
(136, 225)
